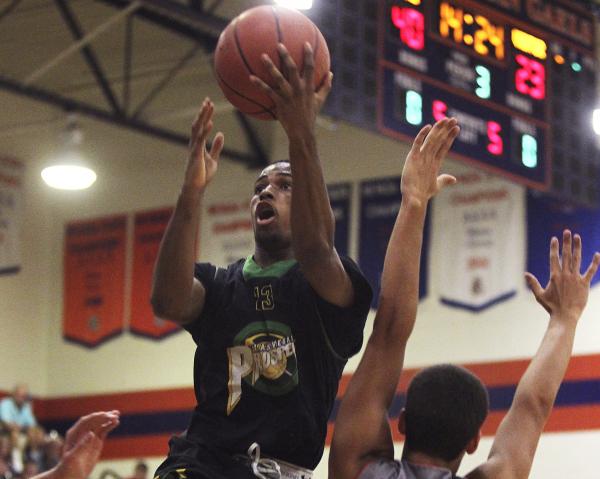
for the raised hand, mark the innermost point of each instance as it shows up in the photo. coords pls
(296, 101)
(420, 176)
(99, 423)
(83, 445)
(202, 164)
(567, 291)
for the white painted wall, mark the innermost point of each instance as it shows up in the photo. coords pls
(25, 297)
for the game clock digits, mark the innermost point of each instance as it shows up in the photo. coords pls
(486, 63)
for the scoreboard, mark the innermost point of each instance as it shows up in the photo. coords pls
(519, 75)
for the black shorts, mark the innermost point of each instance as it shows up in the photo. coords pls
(190, 460)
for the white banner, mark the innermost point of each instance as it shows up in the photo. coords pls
(478, 230)
(11, 179)
(227, 233)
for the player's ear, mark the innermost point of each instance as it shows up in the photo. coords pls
(402, 422)
(473, 444)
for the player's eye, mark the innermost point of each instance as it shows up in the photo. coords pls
(286, 185)
(258, 188)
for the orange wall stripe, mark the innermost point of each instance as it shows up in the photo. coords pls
(129, 402)
(141, 446)
(503, 373)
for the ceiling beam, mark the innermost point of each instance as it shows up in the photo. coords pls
(88, 54)
(169, 76)
(179, 18)
(9, 8)
(71, 105)
(252, 137)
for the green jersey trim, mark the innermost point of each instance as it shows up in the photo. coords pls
(276, 270)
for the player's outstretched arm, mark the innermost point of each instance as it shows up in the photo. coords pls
(83, 445)
(176, 294)
(313, 224)
(362, 432)
(564, 297)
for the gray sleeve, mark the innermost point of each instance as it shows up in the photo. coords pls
(382, 469)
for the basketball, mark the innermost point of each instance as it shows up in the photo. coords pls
(257, 31)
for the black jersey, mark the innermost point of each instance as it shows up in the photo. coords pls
(270, 353)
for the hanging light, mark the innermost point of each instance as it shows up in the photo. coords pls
(297, 4)
(68, 170)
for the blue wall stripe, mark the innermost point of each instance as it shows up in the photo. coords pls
(137, 424)
(571, 393)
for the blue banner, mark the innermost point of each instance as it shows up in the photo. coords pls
(547, 217)
(340, 195)
(379, 205)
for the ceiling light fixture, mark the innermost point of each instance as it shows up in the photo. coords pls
(69, 170)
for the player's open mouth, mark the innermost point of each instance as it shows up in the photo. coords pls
(265, 213)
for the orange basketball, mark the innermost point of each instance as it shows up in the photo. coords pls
(257, 31)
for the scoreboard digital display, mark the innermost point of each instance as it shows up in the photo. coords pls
(501, 67)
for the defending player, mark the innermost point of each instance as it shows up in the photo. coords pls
(273, 331)
(446, 405)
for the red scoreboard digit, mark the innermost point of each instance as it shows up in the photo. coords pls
(530, 78)
(411, 25)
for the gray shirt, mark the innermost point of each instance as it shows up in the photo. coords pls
(386, 469)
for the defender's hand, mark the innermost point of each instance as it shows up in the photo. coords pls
(83, 444)
(100, 423)
(567, 291)
(420, 175)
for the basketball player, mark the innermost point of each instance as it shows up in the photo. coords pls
(446, 405)
(273, 330)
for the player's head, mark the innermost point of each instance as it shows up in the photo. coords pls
(445, 409)
(271, 205)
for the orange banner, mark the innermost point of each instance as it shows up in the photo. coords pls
(149, 229)
(94, 279)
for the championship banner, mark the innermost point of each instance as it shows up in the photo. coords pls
(94, 280)
(340, 196)
(11, 179)
(229, 231)
(547, 217)
(478, 230)
(379, 205)
(149, 228)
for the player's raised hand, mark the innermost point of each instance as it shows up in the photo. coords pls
(202, 164)
(567, 291)
(420, 177)
(296, 101)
